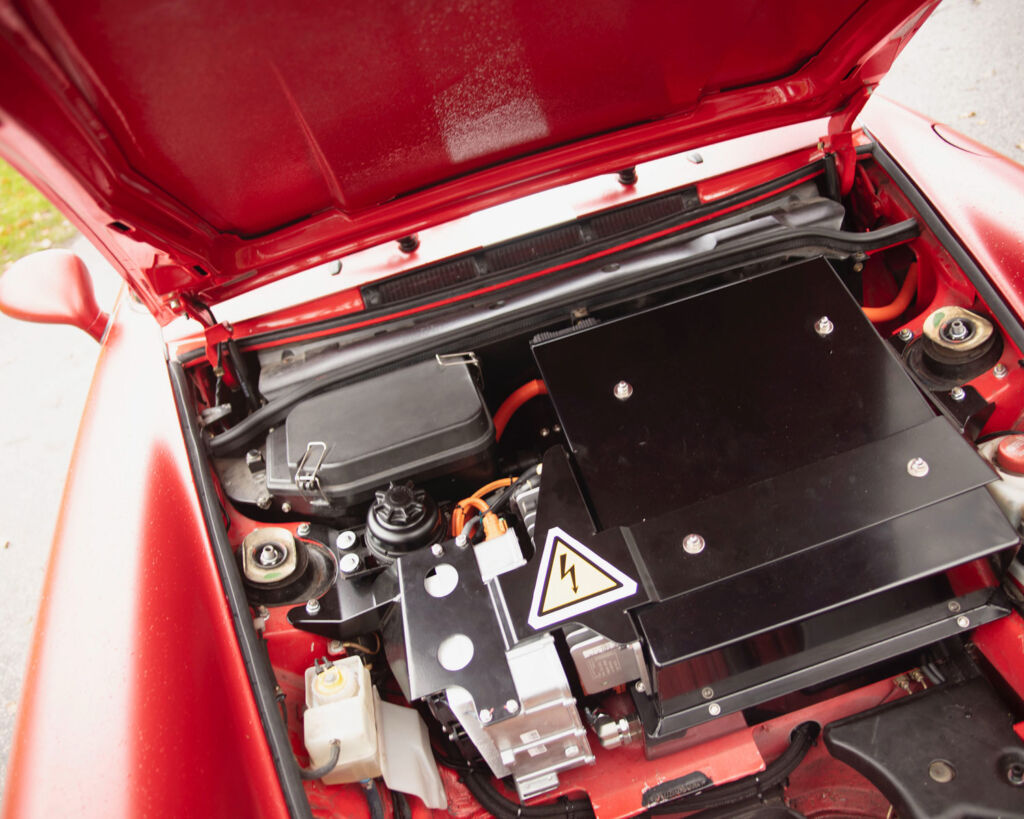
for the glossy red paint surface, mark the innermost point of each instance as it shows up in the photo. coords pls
(52, 287)
(136, 700)
(245, 146)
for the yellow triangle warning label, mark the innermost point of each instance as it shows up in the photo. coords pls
(574, 579)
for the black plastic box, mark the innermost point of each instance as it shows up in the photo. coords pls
(411, 424)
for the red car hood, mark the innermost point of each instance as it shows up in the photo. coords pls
(214, 147)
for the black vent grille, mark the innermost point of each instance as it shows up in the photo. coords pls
(533, 248)
(420, 282)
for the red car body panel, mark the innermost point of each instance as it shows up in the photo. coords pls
(137, 702)
(243, 147)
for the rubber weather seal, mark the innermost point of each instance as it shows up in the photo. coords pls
(257, 665)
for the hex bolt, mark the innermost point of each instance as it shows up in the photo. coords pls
(623, 390)
(512, 706)
(349, 563)
(714, 709)
(486, 715)
(953, 606)
(824, 326)
(1000, 370)
(269, 556)
(958, 330)
(917, 467)
(303, 530)
(905, 334)
(286, 507)
(437, 550)
(640, 687)
(345, 540)
(707, 692)
(312, 606)
(958, 393)
(963, 621)
(693, 544)
(264, 500)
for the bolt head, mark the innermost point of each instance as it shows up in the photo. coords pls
(953, 606)
(640, 687)
(707, 692)
(1000, 371)
(312, 606)
(271, 556)
(437, 550)
(917, 467)
(286, 507)
(824, 326)
(693, 544)
(303, 530)
(345, 540)
(958, 393)
(963, 621)
(264, 501)
(511, 706)
(486, 715)
(623, 390)
(335, 647)
(349, 563)
(714, 709)
(905, 334)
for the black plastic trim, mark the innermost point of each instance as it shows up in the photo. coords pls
(261, 677)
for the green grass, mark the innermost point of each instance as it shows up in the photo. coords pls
(28, 221)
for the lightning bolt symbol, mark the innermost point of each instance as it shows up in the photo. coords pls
(571, 571)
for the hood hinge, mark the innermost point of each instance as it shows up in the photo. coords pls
(837, 144)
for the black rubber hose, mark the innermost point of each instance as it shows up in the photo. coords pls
(772, 776)
(327, 767)
(504, 808)
(373, 799)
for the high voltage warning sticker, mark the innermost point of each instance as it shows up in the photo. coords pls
(573, 579)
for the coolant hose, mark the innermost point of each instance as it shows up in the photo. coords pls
(508, 407)
(902, 301)
(774, 774)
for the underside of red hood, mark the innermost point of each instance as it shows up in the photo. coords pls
(214, 147)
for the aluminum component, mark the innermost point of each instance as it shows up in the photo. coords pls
(824, 326)
(602, 663)
(623, 390)
(614, 733)
(545, 736)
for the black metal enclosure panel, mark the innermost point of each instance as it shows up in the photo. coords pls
(770, 419)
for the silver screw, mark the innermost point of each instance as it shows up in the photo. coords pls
(958, 393)
(707, 692)
(264, 501)
(269, 556)
(714, 709)
(312, 606)
(461, 540)
(918, 467)
(963, 621)
(512, 706)
(958, 330)
(303, 530)
(544, 432)
(486, 715)
(345, 540)
(953, 606)
(437, 550)
(1000, 370)
(640, 687)
(824, 326)
(905, 334)
(623, 390)
(349, 563)
(335, 647)
(286, 507)
(693, 544)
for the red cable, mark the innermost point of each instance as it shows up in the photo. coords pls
(514, 402)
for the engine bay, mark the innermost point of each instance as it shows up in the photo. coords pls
(663, 535)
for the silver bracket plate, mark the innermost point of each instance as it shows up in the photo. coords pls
(307, 473)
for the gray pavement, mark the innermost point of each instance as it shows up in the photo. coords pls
(963, 68)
